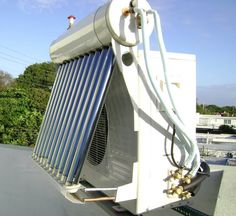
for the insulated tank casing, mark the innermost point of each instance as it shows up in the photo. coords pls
(97, 30)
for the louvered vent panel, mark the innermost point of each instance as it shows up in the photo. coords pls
(99, 142)
(72, 114)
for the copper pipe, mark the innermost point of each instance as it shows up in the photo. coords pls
(95, 199)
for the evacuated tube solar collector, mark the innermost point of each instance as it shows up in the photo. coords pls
(95, 32)
(104, 124)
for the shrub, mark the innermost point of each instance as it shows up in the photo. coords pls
(227, 129)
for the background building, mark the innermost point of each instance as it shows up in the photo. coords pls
(214, 121)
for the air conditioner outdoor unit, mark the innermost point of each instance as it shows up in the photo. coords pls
(107, 126)
(130, 148)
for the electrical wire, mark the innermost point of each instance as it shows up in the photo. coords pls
(172, 149)
(11, 60)
(47, 73)
(35, 84)
(32, 83)
(18, 52)
(193, 157)
(165, 69)
(146, 45)
(15, 58)
(166, 76)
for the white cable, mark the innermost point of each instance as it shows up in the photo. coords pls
(173, 117)
(164, 59)
(165, 70)
(146, 53)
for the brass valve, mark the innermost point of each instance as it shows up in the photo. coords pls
(187, 179)
(178, 190)
(177, 174)
(126, 12)
(175, 190)
(186, 195)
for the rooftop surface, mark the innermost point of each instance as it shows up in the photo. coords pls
(26, 190)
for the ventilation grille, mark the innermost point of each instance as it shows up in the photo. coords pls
(72, 114)
(99, 143)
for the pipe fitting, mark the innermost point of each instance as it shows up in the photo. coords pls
(175, 190)
(178, 190)
(125, 12)
(186, 195)
(177, 174)
(187, 179)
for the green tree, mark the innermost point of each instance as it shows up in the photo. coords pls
(213, 110)
(39, 75)
(38, 80)
(201, 108)
(5, 80)
(19, 121)
(226, 129)
(24, 103)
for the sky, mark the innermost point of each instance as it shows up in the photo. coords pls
(205, 28)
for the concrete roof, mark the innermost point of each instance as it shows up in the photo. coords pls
(26, 189)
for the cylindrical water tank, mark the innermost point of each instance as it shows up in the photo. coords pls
(97, 29)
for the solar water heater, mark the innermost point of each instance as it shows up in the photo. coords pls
(117, 121)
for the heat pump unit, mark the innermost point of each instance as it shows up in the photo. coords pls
(134, 128)
(109, 126)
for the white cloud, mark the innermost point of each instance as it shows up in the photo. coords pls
(41, 4)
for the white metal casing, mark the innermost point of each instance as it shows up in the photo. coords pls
(151, 144)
